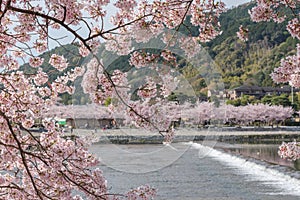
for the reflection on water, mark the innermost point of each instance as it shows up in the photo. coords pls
(264, 152)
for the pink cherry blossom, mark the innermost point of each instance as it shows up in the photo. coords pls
(139, 60)
(243, 33)
(290, 151)
(142, 192)
(35, 61)
(28, 123)
(289, 70)
(40, 78)
(148, 90)
(294, 28)
(84, 51)
(59, 62)
(40, 46)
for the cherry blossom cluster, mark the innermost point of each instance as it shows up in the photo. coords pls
(100, 86)
(142, 192)
(258, 112)
(169, 57)
(90, 80)
(144, 31)
(121, 44)
(157, 117)
(205, 15)
(290, 151)
(59, 62)
(289, 70)
(243, 33)
(169, 83)
(262, 12)
(190, 46)
(202, 112)
(148, 90)
(35, 61)
(139, 60)
(294, 28)
(41, 78)
(9, 63)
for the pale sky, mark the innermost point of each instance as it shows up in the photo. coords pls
(231, 3)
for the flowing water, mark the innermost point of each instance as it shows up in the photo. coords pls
(193, 171)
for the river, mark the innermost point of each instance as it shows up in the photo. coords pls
(192, 171)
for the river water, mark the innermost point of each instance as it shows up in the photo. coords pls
(192, 171)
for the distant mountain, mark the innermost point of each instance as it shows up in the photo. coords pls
(239, 63)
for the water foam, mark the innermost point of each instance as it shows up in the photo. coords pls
(284, 184)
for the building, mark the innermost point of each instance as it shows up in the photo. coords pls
(258, 92)
(92, 123)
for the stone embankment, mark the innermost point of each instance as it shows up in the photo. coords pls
(231, 135)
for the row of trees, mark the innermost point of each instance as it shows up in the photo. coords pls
(251, 114)
(199, 114)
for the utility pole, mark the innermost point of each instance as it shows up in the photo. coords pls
(292, 95)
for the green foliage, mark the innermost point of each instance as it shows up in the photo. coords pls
(172, 97)
(181, 98)
(243, 100)
(282, 99)
(215, 100)
(295, 101)
(107, 102)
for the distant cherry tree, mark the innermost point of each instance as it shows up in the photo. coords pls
(241, 115)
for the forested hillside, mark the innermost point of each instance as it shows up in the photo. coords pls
(239, 63)
(252, 62)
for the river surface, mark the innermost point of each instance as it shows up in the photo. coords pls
(194, 171)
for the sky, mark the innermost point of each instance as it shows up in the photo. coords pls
(231, 3)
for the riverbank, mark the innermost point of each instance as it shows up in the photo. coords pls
(229, 135)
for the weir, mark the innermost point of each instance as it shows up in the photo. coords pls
(283, 184)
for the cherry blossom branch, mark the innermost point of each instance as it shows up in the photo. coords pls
(38, 192)
(47, 17)
(117, 28)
